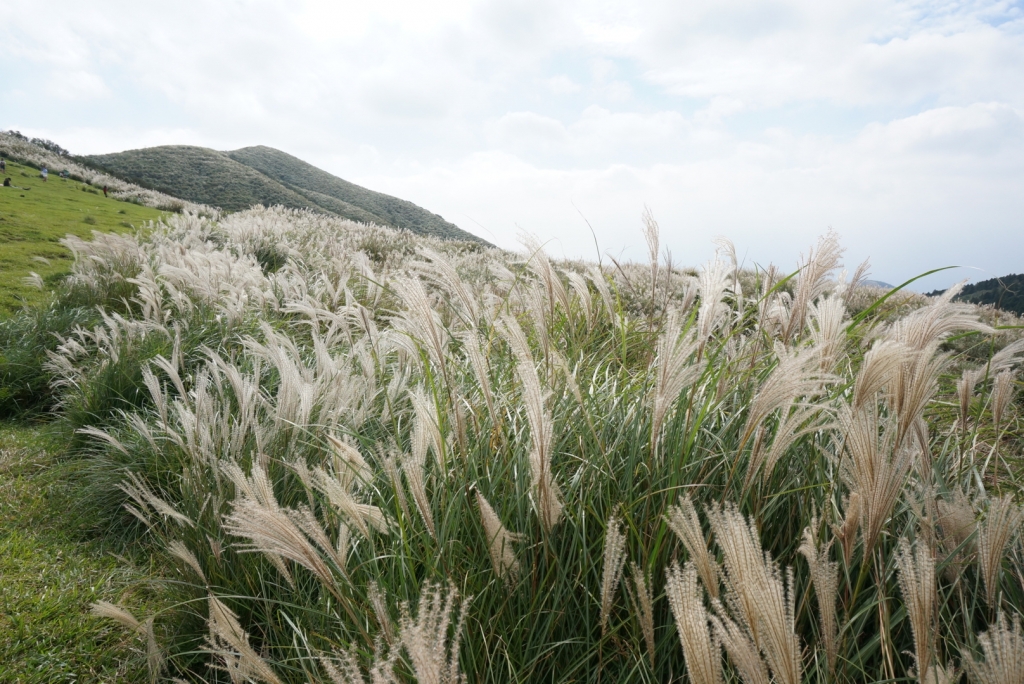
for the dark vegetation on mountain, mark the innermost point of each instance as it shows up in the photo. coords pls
(1005, 293)
(241, 178)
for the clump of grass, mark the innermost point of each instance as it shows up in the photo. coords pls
(313, 449)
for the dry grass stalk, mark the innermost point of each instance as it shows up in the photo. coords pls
(643, 607)
(651, 235)
(614, 560)
(812, 282)
(499, 541)
(344, 668)
(701, 650)
(413, 466)
(547, 497)
(230, 643)
(741, 650)
(481, 370)
(1001, 524)
(425, 637)
(875, 470)
(828, 330)
(1003, 647)
(878, 368)
(757, 593)
(825, 576)
(965, 391)
(956, 523)
(578, 283)
(378, 601)
(673, 372)
(712, 311)
(846, 532)
(683, 520)
(917, 583)
(178, 549)
(105, 609)
(1002, 396)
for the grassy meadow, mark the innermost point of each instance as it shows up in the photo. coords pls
(352, 454)
(36, 215)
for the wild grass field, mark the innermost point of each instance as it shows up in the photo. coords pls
(356, 455)
(34, 217)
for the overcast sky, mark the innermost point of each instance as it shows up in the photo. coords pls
(899, 124)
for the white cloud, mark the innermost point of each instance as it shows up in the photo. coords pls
(900, 123)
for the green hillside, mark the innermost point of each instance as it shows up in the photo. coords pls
(262, 175)
(1005, 293)
(35, 215)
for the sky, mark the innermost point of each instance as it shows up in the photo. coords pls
(900, 125)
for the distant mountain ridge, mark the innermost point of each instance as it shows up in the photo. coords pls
(238, 179)
(1005, 293)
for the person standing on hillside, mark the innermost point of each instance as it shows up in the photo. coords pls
(104, 190)
(3, 166)
(44, 173)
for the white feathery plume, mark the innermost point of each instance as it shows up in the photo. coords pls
(965, 385)
(931, 324)
(597, 277)
(651, 235)
(878, 368)
(481, 370)
(378, 601)
(425, 421)
(1000, 526)
(434, 659)
(1002, 396)
(414, 466)
(701, 650)
(682, 519)
(579, 286)
(230, 642)
(713, 283)
(741, 649)
(547, 497)
(614, 560)
(643, 606)
(178, 549)
(828, 330)
(1003, 647)
(876, 470)
(499, 541)
(673, 373)
(812, 281)
(825, 576)
(105, 609)
(757, 593)
(917, 583)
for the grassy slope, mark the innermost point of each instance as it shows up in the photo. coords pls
(262, 175)
(36, 215)
(308, 179)
(49, 576)
(1006, 293)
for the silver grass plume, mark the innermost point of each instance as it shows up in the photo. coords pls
(140, 492)
(828, 330)
(741, 649)
(965, 391)
(825, 576)
(481, 370)
(228, 641)
(1001, 525)
(154, 654)
(878, 368)
(859, 276)
(812, 281)
(444, 272)
(425, 420)
(876, 470)
(1002, 396)
(651, 235)
(1006, 358)
(643, 605)
(1003, 647)
(414, 466)
(578, 283)
(614, 560)
(673, 373)
(700, 649)
(378, 601)
(425, 637)
(682, 519)
(178, 549)
(916, 570)
(846, 531)
(547, 497)
(712, 311)
(499, 541)
(931, 324)
(957, 523)
(597, 277)
(757, 593)
(344, 668)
